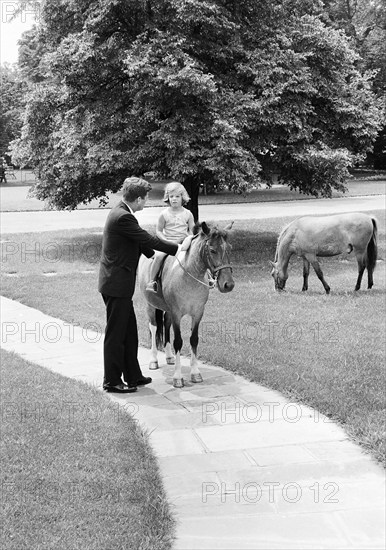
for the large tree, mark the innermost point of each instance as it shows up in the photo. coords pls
(221, 91)
(13, 92)
(365, 23)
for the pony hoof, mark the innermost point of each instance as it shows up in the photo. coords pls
(153, 365)
(196, 378)
(178, 382)
(170, 360)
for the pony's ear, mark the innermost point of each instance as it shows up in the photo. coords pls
(229, 226)
(196, 228)
(205, 228)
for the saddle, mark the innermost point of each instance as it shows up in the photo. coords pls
(158, 277)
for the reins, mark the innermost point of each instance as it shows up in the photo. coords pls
(212, 282)
(215, 269)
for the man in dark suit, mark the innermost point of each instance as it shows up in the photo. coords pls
(123, 242)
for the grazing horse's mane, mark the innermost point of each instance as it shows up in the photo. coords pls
(280, 238)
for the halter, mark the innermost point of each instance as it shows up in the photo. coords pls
(212, 269)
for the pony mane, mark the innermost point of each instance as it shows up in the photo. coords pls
(214, 231)
(283, 232)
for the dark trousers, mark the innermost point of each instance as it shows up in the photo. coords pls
(121, 342)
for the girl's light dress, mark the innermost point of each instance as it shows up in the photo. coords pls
(176, 226)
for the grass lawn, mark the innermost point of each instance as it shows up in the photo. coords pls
(77, 472)
(13, 194)
(325, 351)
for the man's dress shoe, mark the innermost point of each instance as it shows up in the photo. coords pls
(143, 381)
(120, 388)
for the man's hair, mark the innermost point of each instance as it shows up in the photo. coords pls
(134, 188)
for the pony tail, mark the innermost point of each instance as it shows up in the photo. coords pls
(160, 333)
(372, 248)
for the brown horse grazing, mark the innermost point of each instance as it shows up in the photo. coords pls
(184, 290)
(312, 237)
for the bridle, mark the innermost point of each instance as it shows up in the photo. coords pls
(213, 270)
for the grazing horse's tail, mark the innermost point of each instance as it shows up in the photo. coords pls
(372, 248)
(160, 333)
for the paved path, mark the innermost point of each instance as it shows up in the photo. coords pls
(20, 222)
(244, 468)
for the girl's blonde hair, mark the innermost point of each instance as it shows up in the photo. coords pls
(177, 187)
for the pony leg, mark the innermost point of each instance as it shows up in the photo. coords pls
(370, 280)
(372, 254)
(178, 381)
(168, 347)
(195, 375)
(306, 272)
(361, 268)
(153, 365)
(319, 272)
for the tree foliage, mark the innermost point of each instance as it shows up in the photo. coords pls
(226, 91)
(365, 23)
(13, 90)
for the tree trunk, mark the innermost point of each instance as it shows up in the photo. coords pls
(192, 186)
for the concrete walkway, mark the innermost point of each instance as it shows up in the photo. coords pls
(21, 222)
(244, 468)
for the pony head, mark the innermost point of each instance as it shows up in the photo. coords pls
(215, 253)
(279, 278)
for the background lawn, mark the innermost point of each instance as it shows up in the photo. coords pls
(14, 194)
(325, 351)
(77, 472)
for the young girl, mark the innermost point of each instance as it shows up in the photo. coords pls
(174, 224)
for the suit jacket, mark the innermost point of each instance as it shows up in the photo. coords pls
(122, 244)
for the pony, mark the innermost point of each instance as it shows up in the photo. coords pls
(184, 290)
(313, 237)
